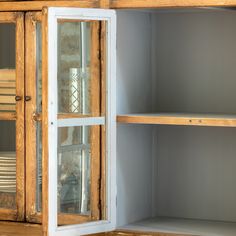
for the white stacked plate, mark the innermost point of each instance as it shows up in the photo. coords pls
(7, 172)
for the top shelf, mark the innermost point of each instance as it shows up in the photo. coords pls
(190, 119)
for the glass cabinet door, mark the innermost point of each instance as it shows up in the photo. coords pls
(12, 116)
(78, 77)
(76, 118)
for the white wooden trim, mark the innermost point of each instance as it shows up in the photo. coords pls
(81, 121)
(87, 14)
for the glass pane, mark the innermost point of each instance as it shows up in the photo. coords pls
(39, 66)
(7, 164)
(39, 167)
(7, 68)
(39, 110)
(74, 153)
(74, 72)
(7, 46)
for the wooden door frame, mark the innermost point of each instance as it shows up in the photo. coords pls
(17, 214)
(32, 215)
(31, 19)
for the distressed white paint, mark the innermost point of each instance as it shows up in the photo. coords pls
(82, 14)
(81, 121)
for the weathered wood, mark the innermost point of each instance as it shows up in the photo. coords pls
(103, 65)
(38, 5)
(136, 233)
(69, 219)
(179, 119)
(19, 229)
(7, 17)
(95, 130)
(170, 3)
(20, 129)
(45, 206)
(7, 116)
(31, 20)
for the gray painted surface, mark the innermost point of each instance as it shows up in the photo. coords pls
(194, 62)
(193, 67)
(134, 94)
(194, 172)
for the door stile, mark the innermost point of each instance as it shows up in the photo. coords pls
(32, 215)
(20, 134)
(102, 117)
(48, 223)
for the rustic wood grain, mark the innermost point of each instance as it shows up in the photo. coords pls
(179, 119)
(19, 229)
(170, 3)
(45, 206)
(103, 70)
(38, 5)
(20, 129)
(31, 90)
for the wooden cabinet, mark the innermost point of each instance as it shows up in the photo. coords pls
(117, 121)
(55, 132)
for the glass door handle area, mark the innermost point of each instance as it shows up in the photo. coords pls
(27, 98)
(18, 98)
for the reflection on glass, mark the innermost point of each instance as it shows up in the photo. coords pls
(7, 164)
(39, 167)
(7, 46)
(74, 170)
(74, 67)
(7, 68)
(39, 66)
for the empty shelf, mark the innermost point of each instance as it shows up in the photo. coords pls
(179, 119)
(182, 226)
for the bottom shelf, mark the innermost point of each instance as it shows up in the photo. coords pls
(182, 227)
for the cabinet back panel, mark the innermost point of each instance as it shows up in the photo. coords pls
(194, 172)
(133, 62)
(194, 61)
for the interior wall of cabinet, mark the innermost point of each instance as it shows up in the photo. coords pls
(176, 61)
(134, 143)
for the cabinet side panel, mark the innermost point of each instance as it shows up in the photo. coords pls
(133, 62)
(134, 173)
(133, 142)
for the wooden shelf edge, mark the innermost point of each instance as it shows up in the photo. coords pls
(170, 3)
(178, 120)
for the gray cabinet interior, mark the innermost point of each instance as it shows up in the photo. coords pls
(176, 61)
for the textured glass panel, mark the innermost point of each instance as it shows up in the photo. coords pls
(39, 110)
(74, 170)
(74, 67)
(39, 66)
(7, 68)
(39, 167)
(7, 164)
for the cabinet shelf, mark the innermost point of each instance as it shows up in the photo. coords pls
(190, 119)
(180, 226)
